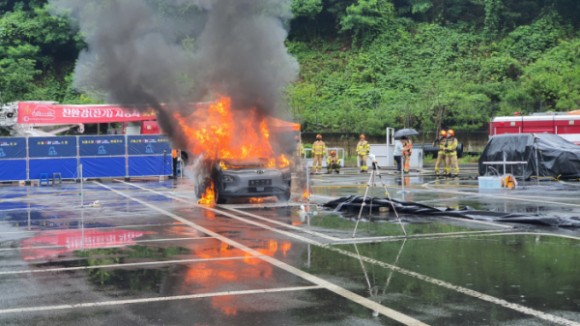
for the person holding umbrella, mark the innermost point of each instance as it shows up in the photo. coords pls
(403, 135)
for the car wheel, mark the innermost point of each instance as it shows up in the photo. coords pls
(284, 197)
(219, 199)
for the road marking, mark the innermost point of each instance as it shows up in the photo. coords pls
(232, 216)
(159, 299)
(472, 293)
(447, 285)
(318, 234)
(97, 228)
(388, 312)
(522, 198)
(147, 263)
(112, 246)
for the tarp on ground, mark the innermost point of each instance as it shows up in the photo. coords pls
(547, 155)
(352, 205)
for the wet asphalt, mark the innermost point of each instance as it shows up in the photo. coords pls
(143, 252)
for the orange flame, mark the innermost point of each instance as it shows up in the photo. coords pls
(208, 197)
(256, 200)
(218, 132)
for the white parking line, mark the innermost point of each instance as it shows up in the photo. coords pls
(472, 293)
(388, 312)
(115, 246)
(288, 226)
(97, 228)
(503, 196)
(447, 285)
(147, 263)
(159, 299)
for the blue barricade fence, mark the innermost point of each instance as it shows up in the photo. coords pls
(24, 159)
(13, 161)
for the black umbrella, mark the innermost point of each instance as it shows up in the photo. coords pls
(407, 132)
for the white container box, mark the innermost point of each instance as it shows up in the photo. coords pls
(489, 182)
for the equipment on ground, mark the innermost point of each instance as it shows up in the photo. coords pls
(353, 204)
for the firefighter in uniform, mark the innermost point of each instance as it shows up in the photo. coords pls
(363, 149)
(332, 163)
(451, 154)
(318, 151)
(407, 151)
(298, 153)
(175, 155)
(440, 142)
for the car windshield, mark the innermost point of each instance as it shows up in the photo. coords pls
(254, 163)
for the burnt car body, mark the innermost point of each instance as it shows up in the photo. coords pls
(246, 179)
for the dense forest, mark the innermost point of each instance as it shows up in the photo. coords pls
(365, 64)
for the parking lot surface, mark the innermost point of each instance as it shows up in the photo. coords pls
(143, 252)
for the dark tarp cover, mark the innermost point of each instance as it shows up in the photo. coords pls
(352, 204)
(547, 155)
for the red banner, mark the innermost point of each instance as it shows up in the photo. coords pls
(47, 113)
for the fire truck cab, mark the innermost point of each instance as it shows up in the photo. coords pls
(565, 125)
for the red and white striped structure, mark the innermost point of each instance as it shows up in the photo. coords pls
(565, 125)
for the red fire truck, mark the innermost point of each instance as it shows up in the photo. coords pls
(566, 125)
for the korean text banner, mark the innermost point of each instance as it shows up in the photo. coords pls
(47, 113)
(102, 145)
(12, 148)
(149, 145)
(52, 147)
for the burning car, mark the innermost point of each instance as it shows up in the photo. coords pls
(240, 153)
(244, 178)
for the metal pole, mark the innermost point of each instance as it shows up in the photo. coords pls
(307, 192)
(363, 204)
(82, 208)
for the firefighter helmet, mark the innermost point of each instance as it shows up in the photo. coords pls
(451, 133)
(333, 152)
(443, 133)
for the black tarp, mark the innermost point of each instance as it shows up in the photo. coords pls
(547, 155)
(352, 204)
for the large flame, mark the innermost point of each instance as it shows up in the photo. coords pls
(218, 132)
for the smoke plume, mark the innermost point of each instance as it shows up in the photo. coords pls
(166, 54)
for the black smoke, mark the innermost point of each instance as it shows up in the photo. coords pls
(167, 54)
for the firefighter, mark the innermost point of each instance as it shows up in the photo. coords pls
(332, 163)
(175, 154)
(299, 147)
(318, 151)
(363, 149)
(407, 151)
(451, 154)
(440, 142)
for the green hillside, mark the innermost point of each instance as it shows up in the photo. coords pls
(369, 64)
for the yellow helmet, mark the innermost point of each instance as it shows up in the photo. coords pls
(451, 133)
(443, 133)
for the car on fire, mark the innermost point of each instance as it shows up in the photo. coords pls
(244, 178)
